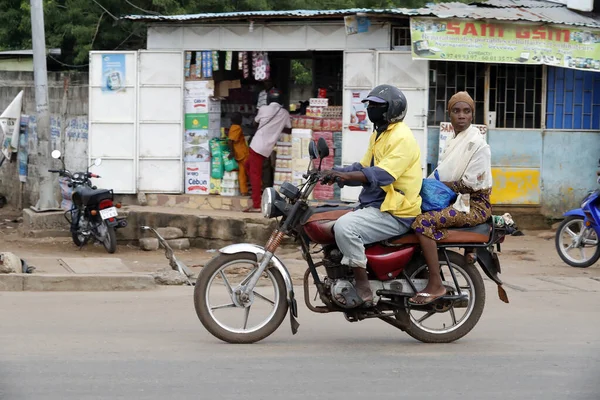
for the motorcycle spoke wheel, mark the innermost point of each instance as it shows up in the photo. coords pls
(445, 319)
(226, 312)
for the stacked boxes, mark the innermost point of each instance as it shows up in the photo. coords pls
(230, 185)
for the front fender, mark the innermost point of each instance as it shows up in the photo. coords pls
(276, 263)
(577, 212)
(260, 251)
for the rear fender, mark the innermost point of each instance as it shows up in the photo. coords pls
(487, 264)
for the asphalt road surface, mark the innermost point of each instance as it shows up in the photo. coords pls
(150, 345)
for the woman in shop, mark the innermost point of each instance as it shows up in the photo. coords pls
(273, 120)
(465, 167)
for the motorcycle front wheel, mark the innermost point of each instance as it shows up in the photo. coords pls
(225, 313)
(571, 231)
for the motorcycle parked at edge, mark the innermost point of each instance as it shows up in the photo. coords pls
(257, 291)
(94, 213)
(576, 238)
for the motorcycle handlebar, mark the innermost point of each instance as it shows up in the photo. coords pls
(55, 171)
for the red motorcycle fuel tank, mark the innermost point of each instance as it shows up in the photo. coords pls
(388, 262)
(319, 227)
(320, 232)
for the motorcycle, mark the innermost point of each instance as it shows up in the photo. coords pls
(396, 268)
(579, 232)
(94, 213)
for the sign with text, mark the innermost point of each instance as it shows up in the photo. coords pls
(480, 41)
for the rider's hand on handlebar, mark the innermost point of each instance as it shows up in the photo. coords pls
(330, 177)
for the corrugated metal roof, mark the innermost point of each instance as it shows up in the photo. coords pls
(519, 3)
(502, 10)
(10, 53)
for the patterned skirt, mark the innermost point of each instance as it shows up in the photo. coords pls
(435, 224)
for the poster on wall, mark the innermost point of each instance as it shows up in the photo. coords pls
(526, 43)
(10, 122)
(23, 153)
(358, 112)
(447, 133)
(113, 72)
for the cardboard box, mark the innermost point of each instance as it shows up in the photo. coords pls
(196, 121)
(197, 178)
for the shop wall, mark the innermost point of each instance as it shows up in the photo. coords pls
(554, 169)
(570, 160)
(269, 37)
(68, 100)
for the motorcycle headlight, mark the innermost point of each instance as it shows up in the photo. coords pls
(268, 198)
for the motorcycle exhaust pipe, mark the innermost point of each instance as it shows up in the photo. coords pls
(122, 223)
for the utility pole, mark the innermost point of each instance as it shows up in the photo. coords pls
(47, 200)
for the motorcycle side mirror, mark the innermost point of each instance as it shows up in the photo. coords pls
(98, 162)
(322, 148)
(312, 150)
(56, 154)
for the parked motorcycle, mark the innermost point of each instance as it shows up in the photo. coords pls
(576, 239)
(94, 213)
(255, 281)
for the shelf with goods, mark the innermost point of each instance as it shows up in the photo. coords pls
(325, 122)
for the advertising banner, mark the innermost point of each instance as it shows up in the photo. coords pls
(113, 72)
(505, 43)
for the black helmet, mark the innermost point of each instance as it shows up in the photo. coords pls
(274, 96)
(395, 100)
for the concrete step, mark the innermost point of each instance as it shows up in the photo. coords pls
(75, 283)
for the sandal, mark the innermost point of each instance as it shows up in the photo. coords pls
(431, 298)
(252, 210)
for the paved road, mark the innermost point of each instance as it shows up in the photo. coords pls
(150, 345)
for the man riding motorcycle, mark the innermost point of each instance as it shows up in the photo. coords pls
(390, 173)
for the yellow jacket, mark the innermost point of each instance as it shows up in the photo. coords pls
(397, 152)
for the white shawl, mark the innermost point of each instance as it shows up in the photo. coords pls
(466, 158)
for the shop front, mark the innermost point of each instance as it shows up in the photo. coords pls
(158, 117)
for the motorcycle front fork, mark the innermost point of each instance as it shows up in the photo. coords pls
(272, 244)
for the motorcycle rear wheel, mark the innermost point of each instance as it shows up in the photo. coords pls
(110, 240)
(476, 302)
(215, 271)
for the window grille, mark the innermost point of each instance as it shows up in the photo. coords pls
(448, 77)
(573, 100)
(516, 95)
(401, 36)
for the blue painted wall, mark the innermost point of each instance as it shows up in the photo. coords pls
(562, 164)
(570, 162)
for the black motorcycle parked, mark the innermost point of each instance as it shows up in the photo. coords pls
(94, 213)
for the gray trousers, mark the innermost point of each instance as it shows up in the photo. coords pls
(364, 226)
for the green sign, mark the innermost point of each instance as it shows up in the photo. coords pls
(196, 121)
(480, 41)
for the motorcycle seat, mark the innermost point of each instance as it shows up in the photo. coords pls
(477, 234)
(98, 195)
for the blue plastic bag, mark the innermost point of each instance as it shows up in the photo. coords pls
(435, 195)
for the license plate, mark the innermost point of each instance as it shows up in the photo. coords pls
(107, 213)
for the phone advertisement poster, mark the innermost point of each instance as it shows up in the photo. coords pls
(113, 72)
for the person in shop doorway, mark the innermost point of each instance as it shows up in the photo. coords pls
(238, 148)
(262, 96)
(272, 120)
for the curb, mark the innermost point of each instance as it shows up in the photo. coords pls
(75, 283)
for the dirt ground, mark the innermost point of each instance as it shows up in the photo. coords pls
(528, 255)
